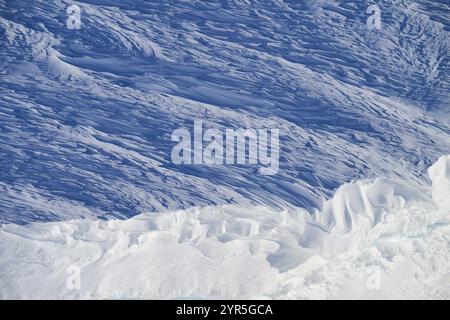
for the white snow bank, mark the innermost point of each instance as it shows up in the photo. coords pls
(373, 239)
(440, 175)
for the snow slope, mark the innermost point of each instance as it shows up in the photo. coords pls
(86, 176)
(401, 231)
(87, 114)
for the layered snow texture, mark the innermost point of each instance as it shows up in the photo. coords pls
(373, 239)
(86, 177)
(86, 115)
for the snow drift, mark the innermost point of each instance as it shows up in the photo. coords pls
(400, 231)
(86, 115)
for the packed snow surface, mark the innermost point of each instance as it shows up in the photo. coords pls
(87, 181)
(373, 239)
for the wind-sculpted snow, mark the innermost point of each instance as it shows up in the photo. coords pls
(401, 232)
(86, 114)
(87, 182)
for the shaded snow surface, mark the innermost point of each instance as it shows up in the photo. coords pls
(86, 178)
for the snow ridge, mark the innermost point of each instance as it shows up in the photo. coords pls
(246, 252)
(350, 103)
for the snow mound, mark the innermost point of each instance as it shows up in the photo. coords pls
(60, 69)
(440, 175)
(363, 204)
(384, 229)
